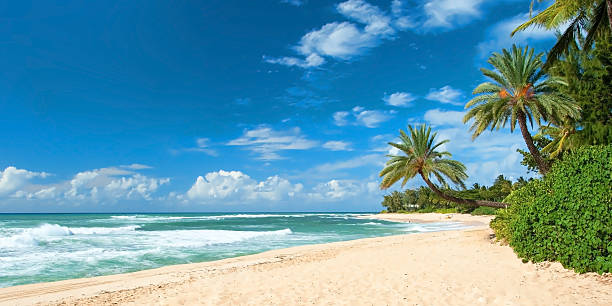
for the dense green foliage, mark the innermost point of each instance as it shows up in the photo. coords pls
(588, 75)
(424, 199)
(566, 216)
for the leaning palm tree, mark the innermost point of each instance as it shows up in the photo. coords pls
(520, 93)
(593, 17)
(420, 156)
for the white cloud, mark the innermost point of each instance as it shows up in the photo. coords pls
(340, 40)
(498, 36)
(448, 13)
(294, 2)
(109, 185)
(312, 60)
(99, 185)
(338, 145)
(237, 187)
(361, 116)
(402, 99)
(203, 145)
(267, 142)
(372, 118)
(360, 161)
(335, 190)
(437, 117)
(136, 166)
(376, 21)
(341, 118)
(401, 21)
(12, 179)
(445, 94)
(345, 40)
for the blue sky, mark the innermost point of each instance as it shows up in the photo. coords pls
(237, 105)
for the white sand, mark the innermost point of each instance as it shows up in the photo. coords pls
(444, 268)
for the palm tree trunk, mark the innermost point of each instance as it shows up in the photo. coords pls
(609, 5)
(542, 164)
(460, 200)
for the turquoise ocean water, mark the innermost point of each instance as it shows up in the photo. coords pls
(48, 247)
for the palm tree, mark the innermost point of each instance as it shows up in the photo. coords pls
(565, 137)
(420, 157)
(587, 16)
(520, 92)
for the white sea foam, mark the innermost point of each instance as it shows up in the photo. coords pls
(34, 236)
(433, 227)
(197, 238)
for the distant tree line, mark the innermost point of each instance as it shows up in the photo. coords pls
(424, 199)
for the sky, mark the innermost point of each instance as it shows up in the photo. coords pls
(221, 106)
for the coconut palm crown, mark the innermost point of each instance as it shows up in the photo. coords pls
(421, 155)
(520, 92)
(593, 17)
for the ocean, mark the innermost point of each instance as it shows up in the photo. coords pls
(48, 247)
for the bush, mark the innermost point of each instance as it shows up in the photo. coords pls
(483, 210)
(566, 216)
(516, 199)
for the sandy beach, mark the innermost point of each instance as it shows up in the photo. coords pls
(464, 267)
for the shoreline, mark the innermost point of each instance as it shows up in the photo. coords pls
(475, 221)
(439, 266)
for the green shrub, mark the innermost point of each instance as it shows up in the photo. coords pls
(384, 211)
(483, 210)
(566, 216)
(523, 196)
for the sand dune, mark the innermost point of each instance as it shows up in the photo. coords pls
(443, 268)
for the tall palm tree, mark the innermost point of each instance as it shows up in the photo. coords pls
(520, 92)
(420, 156)
(593, 17)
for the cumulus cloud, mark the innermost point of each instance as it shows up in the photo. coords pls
(337, 145)
(402, 99)
(238, 188)
(445, 94)
(12, 179)
(361, 116)
(498, 36)
(267, 142)
(106, 184)
(345, 40)
(235, 187)
(99, 185)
